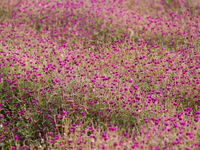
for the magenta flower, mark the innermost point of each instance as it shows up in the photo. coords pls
(24, 146)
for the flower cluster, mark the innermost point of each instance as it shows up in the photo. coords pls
(91, 74)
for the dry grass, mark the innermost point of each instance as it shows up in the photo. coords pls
(99, 74)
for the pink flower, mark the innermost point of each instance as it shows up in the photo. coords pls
(50, 133)
(16, 137)
(24, 146)
(166, 123)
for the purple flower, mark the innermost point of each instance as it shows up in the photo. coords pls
(24, 146)
(50, 133)
(70, 141)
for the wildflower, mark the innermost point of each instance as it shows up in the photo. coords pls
(24, 146)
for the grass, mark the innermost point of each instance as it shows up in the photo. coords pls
(88, 75)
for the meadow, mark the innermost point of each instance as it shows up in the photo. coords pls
(99, 74)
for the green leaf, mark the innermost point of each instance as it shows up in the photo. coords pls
(196, 109)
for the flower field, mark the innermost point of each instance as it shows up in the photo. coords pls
(99, 74)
